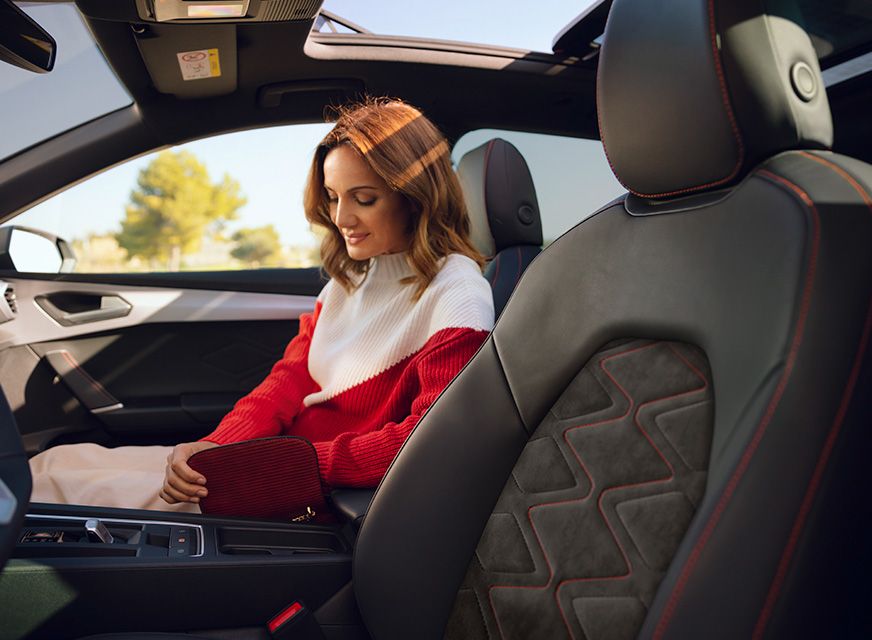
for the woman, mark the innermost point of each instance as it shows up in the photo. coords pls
(405, 309)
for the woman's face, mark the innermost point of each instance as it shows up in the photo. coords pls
(372, 217)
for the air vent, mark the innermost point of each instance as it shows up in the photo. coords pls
(9, 307)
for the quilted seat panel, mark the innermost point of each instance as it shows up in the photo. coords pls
(597, 503)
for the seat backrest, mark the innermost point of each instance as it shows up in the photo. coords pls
(504, 212)
(666, 434)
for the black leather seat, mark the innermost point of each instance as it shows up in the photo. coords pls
(504, 211)
(667, 432)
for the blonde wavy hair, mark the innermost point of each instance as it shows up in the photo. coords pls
(412, 156)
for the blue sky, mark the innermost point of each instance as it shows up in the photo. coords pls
(525, 25)
(271, 164)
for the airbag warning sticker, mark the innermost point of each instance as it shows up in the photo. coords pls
(196, 65)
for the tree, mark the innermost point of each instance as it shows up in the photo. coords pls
(174, 205)
(257, 246)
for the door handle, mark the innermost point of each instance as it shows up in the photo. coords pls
(69, 309)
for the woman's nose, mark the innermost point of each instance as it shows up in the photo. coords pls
(345, 218)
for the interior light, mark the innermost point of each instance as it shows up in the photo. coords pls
(168, 10)
(216, 10)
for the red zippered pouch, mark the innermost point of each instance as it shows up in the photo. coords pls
(272, 478)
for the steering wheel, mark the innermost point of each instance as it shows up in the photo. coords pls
(15, 481)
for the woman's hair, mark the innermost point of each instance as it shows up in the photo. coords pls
(412, 156)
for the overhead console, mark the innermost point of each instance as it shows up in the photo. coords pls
(200, 11)
(190, 46)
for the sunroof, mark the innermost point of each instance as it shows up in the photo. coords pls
(509, 23)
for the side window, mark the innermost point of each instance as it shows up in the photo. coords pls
(572, 175)
(233, 201)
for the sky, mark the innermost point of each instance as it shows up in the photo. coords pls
(271, 164)
(511, 23)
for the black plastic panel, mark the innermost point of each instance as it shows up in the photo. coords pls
(70, 597)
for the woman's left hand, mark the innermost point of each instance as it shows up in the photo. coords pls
(181, 483)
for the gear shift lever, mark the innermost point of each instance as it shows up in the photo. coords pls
(97, 531)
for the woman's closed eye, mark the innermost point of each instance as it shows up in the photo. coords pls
(364, 202)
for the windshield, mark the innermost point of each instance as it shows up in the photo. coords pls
(81, 87)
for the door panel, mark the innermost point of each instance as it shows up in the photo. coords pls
(147, 305)
(165, 372)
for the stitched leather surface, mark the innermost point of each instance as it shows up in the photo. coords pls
(597, 503)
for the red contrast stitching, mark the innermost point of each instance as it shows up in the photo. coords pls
(666, 478)
(97, 386)
(867, 199)
(745, 461)
(725, 98)
(829, 443)
(630, 405)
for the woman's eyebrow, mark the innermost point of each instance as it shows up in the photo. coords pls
(353, 189)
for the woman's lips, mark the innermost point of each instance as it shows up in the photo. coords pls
(356, 238)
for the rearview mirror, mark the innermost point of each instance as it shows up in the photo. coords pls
(23, 42)
(27, 250)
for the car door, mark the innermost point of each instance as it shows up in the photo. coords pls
(132, 344)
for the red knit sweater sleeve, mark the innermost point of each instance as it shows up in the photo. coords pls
(361, 460)
(275, 402)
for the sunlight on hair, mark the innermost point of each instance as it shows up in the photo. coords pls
(421, 164)
(374, 137)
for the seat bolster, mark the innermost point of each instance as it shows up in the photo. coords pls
(407, 569)
(773, 483)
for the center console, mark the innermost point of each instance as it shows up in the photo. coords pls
(99, 569)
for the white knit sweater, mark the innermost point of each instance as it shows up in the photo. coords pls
(360, 335)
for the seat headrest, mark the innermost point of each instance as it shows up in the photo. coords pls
(500, 196)
(692, 94)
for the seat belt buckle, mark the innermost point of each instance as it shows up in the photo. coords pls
(295, 622)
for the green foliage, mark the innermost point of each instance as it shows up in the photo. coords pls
(174, 205)
(258, 246)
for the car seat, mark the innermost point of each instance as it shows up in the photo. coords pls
(666, 434)
(504, 213)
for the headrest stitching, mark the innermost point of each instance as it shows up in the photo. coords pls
(725, 97)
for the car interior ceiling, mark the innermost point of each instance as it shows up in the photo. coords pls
(489, 88)
(286, 76)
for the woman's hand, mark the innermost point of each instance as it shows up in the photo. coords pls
(181, 483)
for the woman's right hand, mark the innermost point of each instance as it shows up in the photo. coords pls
(181, 483)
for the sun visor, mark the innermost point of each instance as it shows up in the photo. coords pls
(190, 61)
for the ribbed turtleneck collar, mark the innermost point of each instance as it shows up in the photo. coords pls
(389, 267)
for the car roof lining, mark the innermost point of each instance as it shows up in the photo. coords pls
(490, 87)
